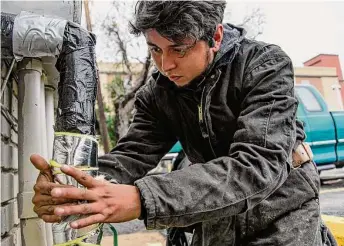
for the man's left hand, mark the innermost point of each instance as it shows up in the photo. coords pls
(107, 202)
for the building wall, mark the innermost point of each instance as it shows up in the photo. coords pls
(315, 81)
(324, 79)
(330, 94)
(328, 60)
(10, 229)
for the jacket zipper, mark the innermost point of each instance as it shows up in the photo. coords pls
(205, 134)
(200, 113)
(201, 117)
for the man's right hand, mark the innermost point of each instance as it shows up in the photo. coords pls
(43, 201)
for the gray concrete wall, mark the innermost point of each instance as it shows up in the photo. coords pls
(10, 229)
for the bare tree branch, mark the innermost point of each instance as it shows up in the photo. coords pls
(254, 23)
(122, 47)
(142, 81)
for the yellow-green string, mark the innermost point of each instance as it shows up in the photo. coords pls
(58, 165)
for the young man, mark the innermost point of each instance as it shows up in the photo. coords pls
(230, 102)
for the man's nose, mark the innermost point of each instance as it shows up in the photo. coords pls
(168, 63)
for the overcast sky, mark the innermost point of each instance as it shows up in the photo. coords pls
(303, 29)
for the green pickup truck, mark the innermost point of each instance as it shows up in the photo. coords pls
(324, 129)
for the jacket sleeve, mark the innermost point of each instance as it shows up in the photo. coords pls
(258, 161)
(141, 149)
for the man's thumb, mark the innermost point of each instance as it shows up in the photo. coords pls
(40, 163)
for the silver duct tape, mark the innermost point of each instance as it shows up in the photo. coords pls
(75, 150)
(78, 151)
(36, 36)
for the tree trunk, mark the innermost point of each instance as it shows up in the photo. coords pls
(102, 120)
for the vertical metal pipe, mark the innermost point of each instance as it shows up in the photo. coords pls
(44, 151)
(48, 138)
(29, 103)
(50, 118)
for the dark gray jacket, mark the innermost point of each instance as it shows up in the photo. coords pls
(237, 125)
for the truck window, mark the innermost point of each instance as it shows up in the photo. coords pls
(308, 99)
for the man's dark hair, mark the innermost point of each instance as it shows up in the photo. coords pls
(178, 20)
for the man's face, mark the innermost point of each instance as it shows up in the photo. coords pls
(180, 62)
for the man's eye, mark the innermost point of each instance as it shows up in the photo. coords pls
(180, 52)
(155, 50)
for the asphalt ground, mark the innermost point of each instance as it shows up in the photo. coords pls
(332, 202)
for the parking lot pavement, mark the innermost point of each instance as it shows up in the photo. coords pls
(152, 238)
(332, 192)
(332, 202)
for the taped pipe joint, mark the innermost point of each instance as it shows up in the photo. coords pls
(32, 35)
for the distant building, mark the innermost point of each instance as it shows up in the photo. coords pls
(109, 71)
(324, 72)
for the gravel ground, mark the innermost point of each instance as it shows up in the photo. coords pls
(126, 227)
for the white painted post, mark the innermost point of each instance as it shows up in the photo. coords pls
(29, 142)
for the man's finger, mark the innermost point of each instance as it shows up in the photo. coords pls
(80, 176)
(42, 165)
(47, 210)
(43, 200)
(74, 193)
(51, 218)
(45, 188)
(85, 208)
(44, 210)
(90, 220)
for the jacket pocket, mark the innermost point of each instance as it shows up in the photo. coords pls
(310, 174)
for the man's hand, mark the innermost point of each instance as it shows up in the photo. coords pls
(107, 202)
(43, 201)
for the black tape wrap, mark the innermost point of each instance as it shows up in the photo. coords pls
(78, 82)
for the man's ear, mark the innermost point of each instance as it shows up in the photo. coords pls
(217, 39)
